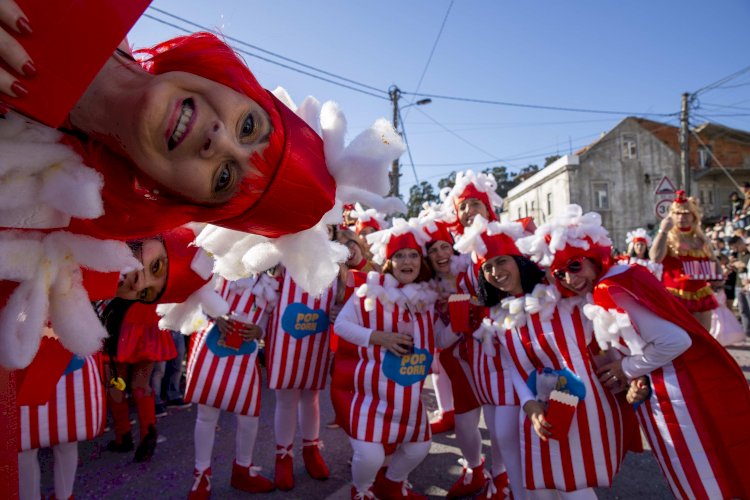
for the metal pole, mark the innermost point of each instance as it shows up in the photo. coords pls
(684, 144)
(395, 93)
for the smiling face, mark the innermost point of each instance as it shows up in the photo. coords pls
(355, 252)
(502, 272)
(146, 284)
(406, 265)
(640, 248)
(195, 136)
(439, 256)
(684, 220)
(469, 208)
(578, 275)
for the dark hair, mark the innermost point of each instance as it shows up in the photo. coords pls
(530, 274)
(631, 250)
(427, 250)
(425, 271)
(112, 318)
(734, 240)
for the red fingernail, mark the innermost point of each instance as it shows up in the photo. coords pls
(18, 89)
(29, 69)
(23, 26)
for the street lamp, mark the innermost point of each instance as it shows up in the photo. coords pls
(395, 93)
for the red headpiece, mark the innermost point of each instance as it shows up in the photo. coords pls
(400, 242)
(485, 240)
(361, 224)
(439, 232)
(189, 266)
(403, 234)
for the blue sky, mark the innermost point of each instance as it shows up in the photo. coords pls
(637, 57)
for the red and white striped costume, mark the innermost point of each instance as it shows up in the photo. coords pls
(696, 419)
(557, 337)
(493, 384)
(231, 382)
(380, 409)
(74, 412)
(298, 363)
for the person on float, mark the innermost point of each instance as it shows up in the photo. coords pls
(699, 441)
(473, 194)
(639, 242)
(297, 360)
(223, 373)
(377, 396)
(685, 252)
(444, 263)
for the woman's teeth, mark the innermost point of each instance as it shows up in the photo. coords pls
(182, 123)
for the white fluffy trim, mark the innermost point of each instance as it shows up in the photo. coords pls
(638, 233)
(43, 183)
(190, 316)
(263, 286)
(379, 240)
(311, 259)
(371, 214)
(417, 297)
(48, 270)
(512, 311)
(485, 334)
(484, 183)
(569, 229)
(611, 326)
(471, 241)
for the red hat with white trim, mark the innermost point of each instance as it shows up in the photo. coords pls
(481, 186)
(484, 240)
(403, 234)
(638, 235)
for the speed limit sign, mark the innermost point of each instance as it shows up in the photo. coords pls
(662, 208)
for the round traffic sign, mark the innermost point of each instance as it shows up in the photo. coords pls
(662, 208)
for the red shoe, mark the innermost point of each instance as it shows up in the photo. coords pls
(498, 488)
(385, 489)
(356, 495)
(472, 480)
(444, 423)
(284, 474)
(201, 489)
(314, 464)
(249, 479)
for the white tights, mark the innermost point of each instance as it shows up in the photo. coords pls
(442, 385)
(205, 432)
(29, 475)
(502, 422)
(292, 404)
(369, 457)
(468, 437)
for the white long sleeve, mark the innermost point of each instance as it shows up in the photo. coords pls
(664, 340)
(519, 384)
(444, 334)
(348, 325)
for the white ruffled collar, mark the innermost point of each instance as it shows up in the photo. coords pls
(512, 311)
(263, 286)
(416, 297)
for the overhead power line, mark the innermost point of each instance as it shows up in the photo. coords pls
(535, 106)
(720, 82)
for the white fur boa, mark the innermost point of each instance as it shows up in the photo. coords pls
(48, 270)
(512, 311)
(360, 169)
(417, 297)
(612, 325)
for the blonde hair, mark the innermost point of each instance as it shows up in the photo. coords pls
(675, 235)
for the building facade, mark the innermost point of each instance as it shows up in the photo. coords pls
(618, 174)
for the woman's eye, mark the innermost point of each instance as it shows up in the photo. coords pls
(224, 179)
(248, 126)
(155, 267)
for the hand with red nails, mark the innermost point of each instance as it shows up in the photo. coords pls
(14, 24)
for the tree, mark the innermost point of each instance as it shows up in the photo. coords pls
(418, 195)
(551, 159)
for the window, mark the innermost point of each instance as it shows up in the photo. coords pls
(600, 191)
(629, 147)
(526, 207)
(704, 156)
(533, 208)
(519, 212)
(549, 203)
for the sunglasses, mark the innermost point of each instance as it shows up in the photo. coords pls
(573, 266)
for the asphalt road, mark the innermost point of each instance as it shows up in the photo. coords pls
(103, 474)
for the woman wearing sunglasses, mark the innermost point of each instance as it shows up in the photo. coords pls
(544, 347)
(699, 441)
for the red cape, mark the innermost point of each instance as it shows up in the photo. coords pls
(716, 383)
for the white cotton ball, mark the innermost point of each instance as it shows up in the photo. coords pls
(333, 130)
(74, 320)
(20, 257)
(18, 191)
(74, 189)
(309, 111)
(283, 96)
(98, 255)
(211, 302)
(261, 257)
(369, 304)
(21, 322)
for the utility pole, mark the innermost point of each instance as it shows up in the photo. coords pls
(395, 93)
(684, 144)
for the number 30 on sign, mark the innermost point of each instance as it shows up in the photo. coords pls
(662, 208)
